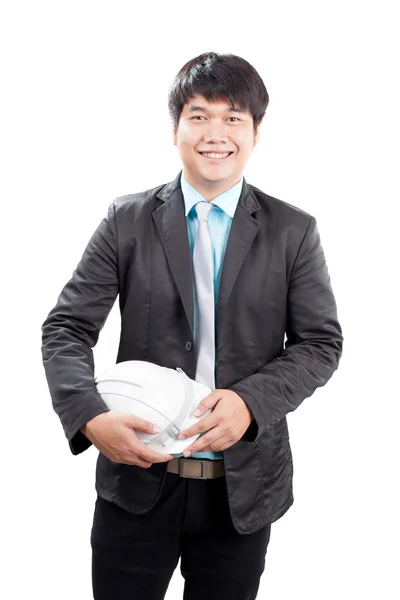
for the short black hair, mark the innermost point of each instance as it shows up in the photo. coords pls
(218, 77)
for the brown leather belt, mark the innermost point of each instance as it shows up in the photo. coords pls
(196, 468)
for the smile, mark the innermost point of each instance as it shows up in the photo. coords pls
(215, 158)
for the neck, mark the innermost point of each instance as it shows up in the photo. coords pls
(210, 189)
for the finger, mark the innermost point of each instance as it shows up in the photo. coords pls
(136, 461)
(219, 445)
(127, 459)
(205, 442)
(147, 454)
(144, 464)
(208, 402)
(207, 423)
(157, 457)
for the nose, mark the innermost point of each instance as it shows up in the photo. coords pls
(215, 133)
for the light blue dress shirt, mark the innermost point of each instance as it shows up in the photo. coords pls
(219, 220)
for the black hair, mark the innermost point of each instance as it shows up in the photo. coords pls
(218, 77)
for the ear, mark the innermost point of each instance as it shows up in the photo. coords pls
(257, 134)
(174, 132)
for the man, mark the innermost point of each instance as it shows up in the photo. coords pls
(268, 278)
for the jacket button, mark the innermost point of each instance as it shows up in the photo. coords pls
(189, 346)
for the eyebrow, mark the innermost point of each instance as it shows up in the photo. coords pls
(194, 108)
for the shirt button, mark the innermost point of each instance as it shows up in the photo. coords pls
(189, 346)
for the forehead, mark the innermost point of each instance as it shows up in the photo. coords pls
(199, 104)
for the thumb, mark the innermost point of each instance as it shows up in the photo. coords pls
(208, 402)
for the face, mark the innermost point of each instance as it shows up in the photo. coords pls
(214, 128)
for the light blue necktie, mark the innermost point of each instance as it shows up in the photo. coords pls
(204, 285)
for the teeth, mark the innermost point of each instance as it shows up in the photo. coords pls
(214, 155)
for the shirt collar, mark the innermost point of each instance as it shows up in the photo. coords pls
(227, 201)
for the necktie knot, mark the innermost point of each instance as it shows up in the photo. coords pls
(203, 210)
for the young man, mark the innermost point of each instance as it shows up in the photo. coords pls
(211, 274)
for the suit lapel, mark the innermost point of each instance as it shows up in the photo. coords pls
(243, 230)
(170, 221)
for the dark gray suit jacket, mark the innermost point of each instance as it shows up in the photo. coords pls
(274, 282)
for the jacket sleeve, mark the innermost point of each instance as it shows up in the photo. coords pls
(72, 328)
(313, 347)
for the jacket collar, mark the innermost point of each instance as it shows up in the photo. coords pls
(227, 201)
(247, 198)
(170, 221)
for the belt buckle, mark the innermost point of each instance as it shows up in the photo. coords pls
(185, 465)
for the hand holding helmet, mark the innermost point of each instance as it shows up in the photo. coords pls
(140, 394)
(113, 434)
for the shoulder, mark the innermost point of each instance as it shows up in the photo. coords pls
(138, 200)
(288, 222)
(287, 213)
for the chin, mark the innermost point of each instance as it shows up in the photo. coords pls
(214, 175)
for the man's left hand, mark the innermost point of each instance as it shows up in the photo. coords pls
(225, 425)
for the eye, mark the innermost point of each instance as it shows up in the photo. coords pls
(201, 117)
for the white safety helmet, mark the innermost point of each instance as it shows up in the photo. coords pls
(163, 396)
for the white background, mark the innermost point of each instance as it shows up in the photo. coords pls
(83, 120)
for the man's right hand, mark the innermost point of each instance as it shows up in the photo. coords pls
(113, 434)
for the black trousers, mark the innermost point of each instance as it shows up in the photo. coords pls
(135, 556)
